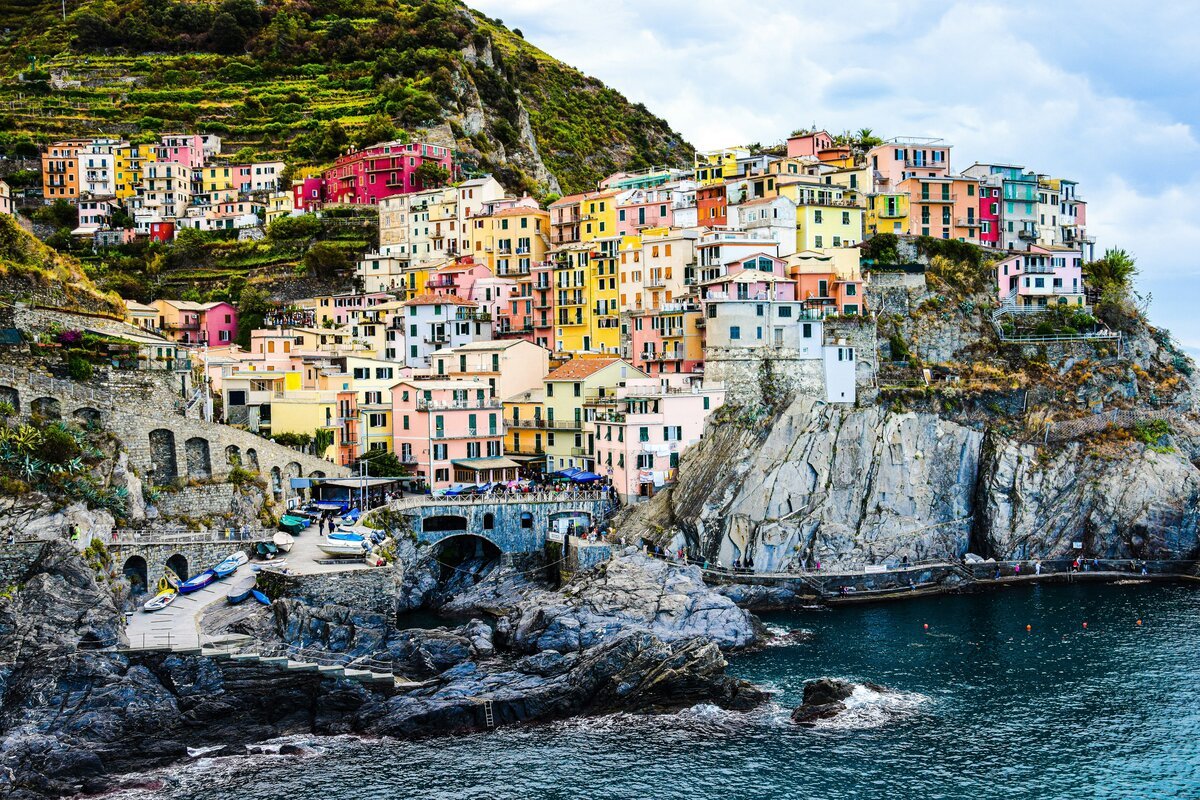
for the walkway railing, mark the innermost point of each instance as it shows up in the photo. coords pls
(507, 498)
(183, 536)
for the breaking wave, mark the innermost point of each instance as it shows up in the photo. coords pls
(870, 708)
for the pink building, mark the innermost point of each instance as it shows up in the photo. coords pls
(639, 441)
(197, 323)
(808, 144)
(989, 215)
(450, 431)
(182, 148)
(367, 176)
(899, 159)
(644, 208)
(1043, 276)
(457, 279)
(306, 194)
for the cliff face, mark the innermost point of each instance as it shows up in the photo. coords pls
(844, 486)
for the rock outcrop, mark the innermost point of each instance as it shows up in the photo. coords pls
(825, 698)
(844, 486)
(632, 593)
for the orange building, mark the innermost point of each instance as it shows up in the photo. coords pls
(712, 205)
(60, 170)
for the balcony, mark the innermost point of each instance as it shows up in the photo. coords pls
(1029, 234)
(437, 339)
(537, 423)
(514, 271)
(580, 451)
(941, 198)
(527, 450)
(655, 283)
(440, 283)
(966, 222)
(458, 405)
(564, 424)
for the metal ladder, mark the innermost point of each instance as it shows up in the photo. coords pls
(488, 718)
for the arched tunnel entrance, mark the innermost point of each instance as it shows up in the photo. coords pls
(135, 572)
(462, 560)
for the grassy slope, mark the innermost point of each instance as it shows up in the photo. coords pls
(31, 270)
(583, 129)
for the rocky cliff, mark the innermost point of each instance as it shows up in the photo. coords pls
(843, 486)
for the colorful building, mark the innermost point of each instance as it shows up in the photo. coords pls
(196, 323)
(1041, 277)
(573, 392)
(382, 170)
(450, 431)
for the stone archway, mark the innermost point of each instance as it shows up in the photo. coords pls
(136, 572)
(252, 460)
(292, 470)
(277, 483)
(179, 565)
(199, 461)
(442, 523)
(316, 474)
(164, 466)
(87, 416)
(10, 395)
(46, 408)
(233, 456)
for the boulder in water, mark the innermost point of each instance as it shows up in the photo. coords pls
(825, 698)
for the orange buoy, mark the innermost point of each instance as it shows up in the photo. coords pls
(1028, 627)
(926, 626)
(1139, 622)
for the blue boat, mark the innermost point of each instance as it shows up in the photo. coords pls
(197, 582)
(240, 590)
(230, 564)
(260, 597)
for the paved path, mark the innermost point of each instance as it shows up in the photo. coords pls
(304, 556)
(178, 625)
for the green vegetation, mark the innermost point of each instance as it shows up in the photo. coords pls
(305, 80)
(1111, 277)
(28, 267)
(55, 459)
(383, 464)
(1154, 434)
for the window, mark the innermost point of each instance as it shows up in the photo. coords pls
(645, 461)
(549, 390)
(643, 434)
(845, 217)
(735, 332)
(439, 452)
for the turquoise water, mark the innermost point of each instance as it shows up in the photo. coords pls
(979, 708)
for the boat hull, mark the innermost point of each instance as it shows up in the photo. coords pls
(343, 548)
(283, 541)
(197, 582)
(159, 602)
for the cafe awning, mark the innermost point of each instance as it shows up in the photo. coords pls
(480, 464)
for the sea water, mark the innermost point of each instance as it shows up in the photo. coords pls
(975, 707)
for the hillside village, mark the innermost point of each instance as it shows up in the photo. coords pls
(487, 338)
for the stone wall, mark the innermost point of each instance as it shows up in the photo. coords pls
(895, 292)
(859, 333)
(514, 527)
(374, 590)
(748, 373)
(206, 500)
(16, 559)
(199, 556)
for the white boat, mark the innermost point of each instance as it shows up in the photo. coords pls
(230, 564)
(240, 590)
(283, 541)
(343, 543)
(160, 601)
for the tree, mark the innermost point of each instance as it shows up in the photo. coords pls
(325, 261)
(866, 139)
(432, 175)
(379, 128)
(1115, 270)
(253, 306)
(227, 36)
(382, 464)
(60, 214)
(290, 229)
(333, 141)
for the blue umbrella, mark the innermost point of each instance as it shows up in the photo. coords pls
(585, 477)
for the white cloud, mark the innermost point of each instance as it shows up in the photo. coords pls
(1055, 87)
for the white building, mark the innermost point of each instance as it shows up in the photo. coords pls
(432, 322)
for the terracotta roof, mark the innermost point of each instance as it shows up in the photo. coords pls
(578, 368)
(762, 200)
(439, 300)
(515, 211)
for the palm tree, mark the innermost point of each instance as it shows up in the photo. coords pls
(1115, 270)
(867, 139)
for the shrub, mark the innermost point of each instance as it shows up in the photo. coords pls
(240, 475)
(79, 368)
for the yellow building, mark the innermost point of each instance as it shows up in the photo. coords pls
(509, 239)
(573, 392)
(887, 213)
(129, 159)
(715, 166)
(572, 297)
(525, 429)
(598, 216)
(825, 216)
(279, 204)
(217, 179)
(371, 380)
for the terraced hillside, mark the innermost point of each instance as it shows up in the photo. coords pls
(302, 79)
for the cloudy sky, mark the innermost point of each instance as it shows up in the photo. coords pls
(1100, 91)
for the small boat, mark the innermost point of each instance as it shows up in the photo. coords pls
(240, 589)
(197, 582)
(344, 543)
(160, 601)
(260, 597)
(274, 565)
(293, 525)
(283, 541)
(266, 549)
(351, 517)
(230, 564)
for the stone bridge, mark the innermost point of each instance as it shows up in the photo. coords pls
(163, 444)
(513, 523)
(142, 559)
